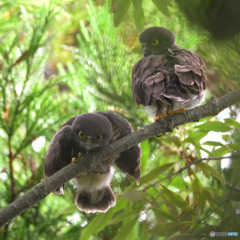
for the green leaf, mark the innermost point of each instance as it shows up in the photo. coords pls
(234, 146)
(162, 6)
(220, 151)
(195, 137)
(212, 143)
(155, 172)
(232, 122)
(144, 231)
(164, 214)
(138, 13)
(226, 137)
(145, 154)
(126, 229)
(96, 224)
(164, 229)
(215, 126)
(172, 139)
(168, 153)
(122, 216)
(233, 196)
(210, 170)
(134, 195)
(177, 200)
(121, 11)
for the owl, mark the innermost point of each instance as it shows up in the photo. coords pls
(167, 79)
(88, 133)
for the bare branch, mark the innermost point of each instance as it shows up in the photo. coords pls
(41, 190)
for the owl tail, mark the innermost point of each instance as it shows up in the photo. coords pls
(96, 201)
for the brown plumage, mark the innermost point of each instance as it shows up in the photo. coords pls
(167, 78)
(86, 133)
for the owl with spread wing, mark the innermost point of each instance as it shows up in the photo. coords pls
(167, 80)
(87, 133)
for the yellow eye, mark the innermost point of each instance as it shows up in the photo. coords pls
(81, 135)
(154, 42)
(98, 137)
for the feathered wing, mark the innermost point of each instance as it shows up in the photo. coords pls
(59, 152)
(168, 77)
(129, 160)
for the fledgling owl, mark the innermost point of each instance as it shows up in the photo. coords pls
(86, 133)
(167, 79)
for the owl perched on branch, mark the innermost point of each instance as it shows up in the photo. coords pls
(167, 79)
(87, 133)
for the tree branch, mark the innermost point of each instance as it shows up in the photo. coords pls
(42, 189)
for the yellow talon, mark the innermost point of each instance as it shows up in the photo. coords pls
(83, 174)
(110, 160)
(98, 174)
(78, 176)
(79, 154)
(181, 110)
(159, 116)
(74, 160)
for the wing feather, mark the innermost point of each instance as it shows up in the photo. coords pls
(59, 151)
(129, 160)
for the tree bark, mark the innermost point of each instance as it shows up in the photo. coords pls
(42, 189)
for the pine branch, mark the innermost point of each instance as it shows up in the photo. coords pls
(41, 190)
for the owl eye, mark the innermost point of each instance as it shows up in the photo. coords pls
(154, 42)
(81, 135)
(98, 137)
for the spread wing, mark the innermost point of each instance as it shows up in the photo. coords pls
(168, 77)
(129, 160)
(59, 151)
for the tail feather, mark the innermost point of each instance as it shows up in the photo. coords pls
(97, 201)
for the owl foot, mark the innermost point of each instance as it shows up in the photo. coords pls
(98, 174)
(82, 174)
(74, 160)
(170, 112)
(159, 116)
(110, 160)
(79, 154)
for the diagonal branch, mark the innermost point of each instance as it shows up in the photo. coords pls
(42, 189)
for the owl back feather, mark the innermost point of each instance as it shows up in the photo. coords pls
(171, 77)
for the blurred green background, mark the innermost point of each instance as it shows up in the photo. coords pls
(62, 58)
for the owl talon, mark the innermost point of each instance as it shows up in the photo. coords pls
(78, 176)
(181, 110)
(159, 116)
(83, 174)
(74, 160)
(98, 174)
(79, 154)
(110, 160)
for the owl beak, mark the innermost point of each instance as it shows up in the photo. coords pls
(88, 144)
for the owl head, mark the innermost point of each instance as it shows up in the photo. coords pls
(92, 131)
(156, 40)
